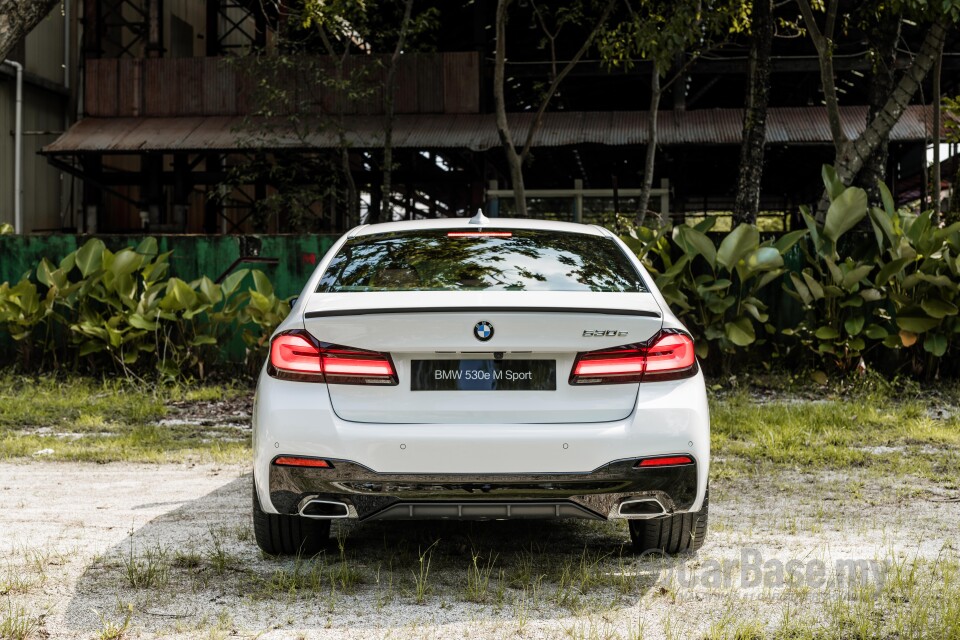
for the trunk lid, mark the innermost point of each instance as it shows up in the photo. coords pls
(423, 330)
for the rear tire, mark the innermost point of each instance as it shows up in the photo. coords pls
(279, 534)
(673, 534)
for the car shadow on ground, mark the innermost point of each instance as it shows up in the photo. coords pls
(197, 568)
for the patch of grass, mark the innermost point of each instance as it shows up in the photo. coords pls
(478, 577)
(146, 570)
(113, 629)
(872, 431)
(218, 557)
(16, 623)
(85, 419)
(421, 577)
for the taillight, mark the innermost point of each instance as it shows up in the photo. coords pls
(668, 356)
(350, 366)
(671, 356)
(664, 461)
(296, 355)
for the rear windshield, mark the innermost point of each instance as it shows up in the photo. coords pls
(518, 260)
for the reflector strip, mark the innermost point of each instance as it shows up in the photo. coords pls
(477, 234)
(293, 461)
(666, 461)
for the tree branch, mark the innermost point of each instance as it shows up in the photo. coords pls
(552, 89)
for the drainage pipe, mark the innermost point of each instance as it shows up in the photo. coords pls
(17, 150)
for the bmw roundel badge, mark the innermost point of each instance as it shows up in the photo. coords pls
(483, 331)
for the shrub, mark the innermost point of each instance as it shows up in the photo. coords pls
(97, 309)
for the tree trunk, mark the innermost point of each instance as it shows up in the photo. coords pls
(884, 45)
(747, 204)
(514, 159)
(352, 202)
(651, 154)
(18, 18)
(856, 153)
(953, 211)
(388, 99)
(936, 136)
(823, 41)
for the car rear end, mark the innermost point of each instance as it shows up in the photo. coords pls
(461, 371)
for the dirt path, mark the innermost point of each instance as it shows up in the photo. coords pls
(76, 538)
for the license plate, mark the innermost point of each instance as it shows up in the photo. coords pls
(483, 375)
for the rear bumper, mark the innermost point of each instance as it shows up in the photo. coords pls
(599, 494)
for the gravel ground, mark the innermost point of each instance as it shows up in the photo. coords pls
(123, 550)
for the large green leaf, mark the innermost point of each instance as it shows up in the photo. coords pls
(889, 207)
(938, 308)
(90, 256)
(764, 259)
(856, 274)
(816, 289)
(696, 243)
(179, 296)
(845, 212)
(232, 282)
(262, 283)
(147, 247)
(210, 290)
(138, 321)
(801, 288)
(854, 325)
(832, 181)
(883, 228)
(875, 332)
(737, 245)
(890, 269)
(786, 241)
(812, 227)
(917, 227)
(826, 333)
(935, 344)
(740, 332)
(125, 261)
(916, 324)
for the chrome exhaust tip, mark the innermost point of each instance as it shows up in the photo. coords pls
(641, 508)
(324, 509)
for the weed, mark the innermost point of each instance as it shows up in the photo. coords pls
(17, 623)
(112, 630)
(478, 577)
(151, 569)
(421, 577)
(344, 575)
(218, 557)
(188, 559)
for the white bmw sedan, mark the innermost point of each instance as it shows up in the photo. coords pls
(480, 369)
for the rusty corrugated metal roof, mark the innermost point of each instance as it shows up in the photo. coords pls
(471, 131)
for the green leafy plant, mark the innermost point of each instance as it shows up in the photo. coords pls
(840, 302)
(919, 270)
(714, 288)
(120, 309)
